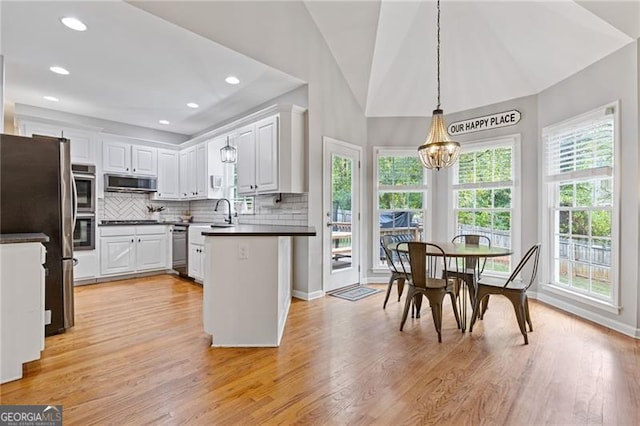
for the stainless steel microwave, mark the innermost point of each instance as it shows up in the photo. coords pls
(124, 183)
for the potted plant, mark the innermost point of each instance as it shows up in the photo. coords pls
(154, 211)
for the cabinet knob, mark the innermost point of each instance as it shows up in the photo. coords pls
(138, 239)
(127, 169)
(134, 170)
(159, 194)
(132, 240)
(251, 186)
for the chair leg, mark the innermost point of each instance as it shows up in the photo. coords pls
(476, 308)
(405, 312)
(485, 306)
(386, 297)
(435, 302)
(400, 287)
(417, 303)
(526, 311)
(455, 309)
(518, 305)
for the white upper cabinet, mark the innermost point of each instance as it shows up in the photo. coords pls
(83, 142)
(267, 155)
(125, 158)
(271, 153)
(168, 175)
(246, 160)
(193, 172)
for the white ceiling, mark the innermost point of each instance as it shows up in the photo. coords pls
(129, 67)
(133, 67)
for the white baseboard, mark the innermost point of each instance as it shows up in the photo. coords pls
(586, 314)
(307, 296)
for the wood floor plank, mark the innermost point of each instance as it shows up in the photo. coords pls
(138, 355)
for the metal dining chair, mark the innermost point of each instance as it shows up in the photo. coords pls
(470, 269)
(516, 292)
(431, 283)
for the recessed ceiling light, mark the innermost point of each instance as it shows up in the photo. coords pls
(193, 105)
(73, 23)
(232, 80)
(51, 98)
(164, 122)
(59, 70)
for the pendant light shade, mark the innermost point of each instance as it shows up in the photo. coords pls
(439, 150)
(228, 153)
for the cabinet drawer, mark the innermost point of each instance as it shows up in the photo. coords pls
(117, 231)
(151, 230)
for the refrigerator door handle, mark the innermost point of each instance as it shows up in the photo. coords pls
(75, 203)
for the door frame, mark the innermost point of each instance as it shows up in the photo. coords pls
(328, 144)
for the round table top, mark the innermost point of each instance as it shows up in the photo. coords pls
(459, 249)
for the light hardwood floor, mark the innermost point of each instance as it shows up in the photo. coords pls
(138, 355)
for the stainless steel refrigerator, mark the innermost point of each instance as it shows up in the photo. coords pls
(37, 196)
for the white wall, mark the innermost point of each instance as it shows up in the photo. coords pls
(613, 78)
(283, 35)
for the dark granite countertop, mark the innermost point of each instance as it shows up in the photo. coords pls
(147, 222)
(262, 231)
(27, 237)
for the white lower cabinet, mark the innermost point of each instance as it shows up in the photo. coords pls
(22, 306)
(129, 249)
(196, 258)
(196, 261)
(87, 267)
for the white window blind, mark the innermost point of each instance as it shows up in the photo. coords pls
(581, 149)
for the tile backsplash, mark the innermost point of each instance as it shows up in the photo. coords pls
(291, 209)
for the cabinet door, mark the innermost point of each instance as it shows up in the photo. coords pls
(116, 157)
(195, 261)
(192, 190)
(168, 176)
(82, 146)
(144, 160)
(151, 252)
(117, 255)
(267, 155)
(184, 174)
(246, 162)
(201, 172)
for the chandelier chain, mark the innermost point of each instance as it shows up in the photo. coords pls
(438, 53)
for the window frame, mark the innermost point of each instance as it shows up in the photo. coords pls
(514, 141)
(548, 205)
(383, 151)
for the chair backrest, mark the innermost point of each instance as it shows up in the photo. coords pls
(385, 241)
(532, 254)
(426, 257)
(473, 240)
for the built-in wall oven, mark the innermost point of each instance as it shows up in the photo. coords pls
(84, 232)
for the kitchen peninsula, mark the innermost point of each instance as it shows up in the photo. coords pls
(247, 283)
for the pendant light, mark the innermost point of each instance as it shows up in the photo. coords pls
(228, 153)
(439, 150)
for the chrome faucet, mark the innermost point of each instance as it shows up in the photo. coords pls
(229, 205)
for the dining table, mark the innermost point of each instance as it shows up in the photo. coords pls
(460, 251)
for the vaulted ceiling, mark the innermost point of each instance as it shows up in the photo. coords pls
(137, 65)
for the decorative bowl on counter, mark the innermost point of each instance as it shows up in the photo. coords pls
(186, 218)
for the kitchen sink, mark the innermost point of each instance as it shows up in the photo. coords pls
(222, 225)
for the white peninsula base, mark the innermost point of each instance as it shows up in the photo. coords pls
(247, 289)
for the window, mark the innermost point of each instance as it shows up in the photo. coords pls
(400, 196)
(579, 191)
(485, 196)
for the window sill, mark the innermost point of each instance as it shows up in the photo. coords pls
(591, 301)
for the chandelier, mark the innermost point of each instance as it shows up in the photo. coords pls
(438, 151)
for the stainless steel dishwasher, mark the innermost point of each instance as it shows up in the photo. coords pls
(180, 244)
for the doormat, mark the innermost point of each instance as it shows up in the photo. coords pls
(357, 293)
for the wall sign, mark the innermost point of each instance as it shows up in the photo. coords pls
(501, 119)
